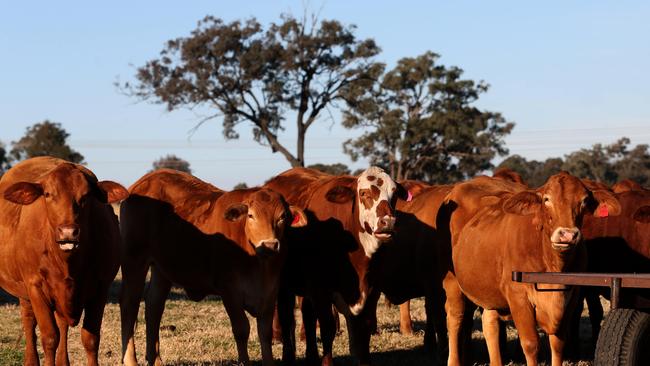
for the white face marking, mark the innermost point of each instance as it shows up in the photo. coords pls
(368, 217)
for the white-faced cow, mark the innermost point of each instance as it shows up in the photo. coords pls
(349, 219)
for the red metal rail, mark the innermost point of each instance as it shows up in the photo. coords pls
(615, 281)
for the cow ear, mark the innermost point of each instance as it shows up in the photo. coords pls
(115, 192)
(642, 215)
(235, 211)
(299, 219)
(522, 203)
(403, 193)
(340, 194)
(23, 193)
(608, 205)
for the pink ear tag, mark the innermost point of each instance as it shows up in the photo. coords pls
(602, 211)
(409, 198)
(296, 219)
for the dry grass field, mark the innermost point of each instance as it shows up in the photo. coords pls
(199, 334)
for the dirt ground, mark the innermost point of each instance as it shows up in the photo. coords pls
(199, 334)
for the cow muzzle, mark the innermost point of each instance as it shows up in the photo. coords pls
(385, 227)
(564, 239)
(267, 247)
(67, 236)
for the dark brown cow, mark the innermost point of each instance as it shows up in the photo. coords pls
(627, 185)
(617, 244)
(530, 230)
(349, 219)
(58, 252)
(509, 175)
(415, 262)
(405, 325)
(207, 241)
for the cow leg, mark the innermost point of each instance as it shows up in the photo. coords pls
(154, 305)
(430, 342)
(435, 336)
(405, 324)
(286, 305)
(327, 329)
(337, 322)
(557, 345)
(133, 280)
(62, 349)
(309, 322)
(572, 346)
(595, 313)
(459, 317)
(265, 333)
(277, 328)
(46, 324)
(93, 314)
(524, 317)
(359, 335)
(240, 326)
(371, 310)
(301, 331)
(28, 320)
(491, 331)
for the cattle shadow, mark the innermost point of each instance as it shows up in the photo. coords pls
(318, 259)
(616, 255)
(197, 263)
(176, 293)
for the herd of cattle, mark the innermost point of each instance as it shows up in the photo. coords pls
(334, 240)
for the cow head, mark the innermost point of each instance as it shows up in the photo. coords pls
(375, 198)
(65, 194)
(558, 207)
(266, 216)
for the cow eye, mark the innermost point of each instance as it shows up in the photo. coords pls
(46, 194)
(250, 216)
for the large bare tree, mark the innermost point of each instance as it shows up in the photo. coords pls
(247, 73)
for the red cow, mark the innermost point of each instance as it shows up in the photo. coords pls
(59, 245)
(530, 230)
(207, 241)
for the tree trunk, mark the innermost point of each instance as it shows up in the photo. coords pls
(300, 153)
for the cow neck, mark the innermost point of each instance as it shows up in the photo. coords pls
(60, 281)
(556, 261)
(235, 232)
(360, 259)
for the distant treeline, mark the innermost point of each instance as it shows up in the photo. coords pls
(603, 163)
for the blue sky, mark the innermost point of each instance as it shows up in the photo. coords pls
(568, 73)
